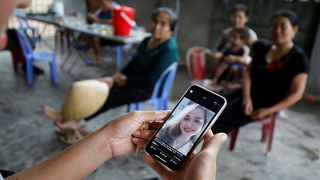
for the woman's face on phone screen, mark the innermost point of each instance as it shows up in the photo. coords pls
(193, 122)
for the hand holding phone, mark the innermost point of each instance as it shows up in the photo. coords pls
(200, 166)
(184, 128)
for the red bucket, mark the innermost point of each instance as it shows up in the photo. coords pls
(123, 20)
(3, 40)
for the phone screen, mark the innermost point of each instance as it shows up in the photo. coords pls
(196, 111)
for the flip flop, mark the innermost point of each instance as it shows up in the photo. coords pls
(71, 137)
(89, 62)
(82, 130)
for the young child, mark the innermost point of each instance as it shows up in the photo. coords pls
(239, 16)
(233, 57)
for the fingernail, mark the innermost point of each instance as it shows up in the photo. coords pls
(224, 137)
(137, 133)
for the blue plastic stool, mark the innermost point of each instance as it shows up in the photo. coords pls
(32, 56)
(161, 91)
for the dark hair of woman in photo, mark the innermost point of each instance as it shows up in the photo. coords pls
(175, 131)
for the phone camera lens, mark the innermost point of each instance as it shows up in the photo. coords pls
(215, 103)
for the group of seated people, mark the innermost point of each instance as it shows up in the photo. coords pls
(274, 77)
(233, 50)
(272, 74)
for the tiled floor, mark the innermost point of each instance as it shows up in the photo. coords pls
(27, 137)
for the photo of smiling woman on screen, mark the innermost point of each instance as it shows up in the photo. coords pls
(185, 126)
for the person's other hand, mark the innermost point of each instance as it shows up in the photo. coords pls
(217, 56)
(118, 133)
(247, 106)
(107, 80)
(93, 17)
(226, 59)
(230, 59)
(198, 166)
(261, 113)
(119, 79)
(142, 136)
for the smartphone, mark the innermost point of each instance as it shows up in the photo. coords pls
(197, 110)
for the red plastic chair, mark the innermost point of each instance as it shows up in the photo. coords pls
(196, 62)
(268, 126)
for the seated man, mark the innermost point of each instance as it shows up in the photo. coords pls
(136, 80)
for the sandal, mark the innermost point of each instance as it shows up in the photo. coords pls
(84, 132)
(82, 129)
(71, 137)
(89, 62)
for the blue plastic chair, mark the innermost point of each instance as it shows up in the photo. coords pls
(32, 56)
(23, 24)
(161, 91)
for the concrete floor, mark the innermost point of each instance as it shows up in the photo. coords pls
(27, 137)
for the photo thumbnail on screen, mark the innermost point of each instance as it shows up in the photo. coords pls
(186, 123)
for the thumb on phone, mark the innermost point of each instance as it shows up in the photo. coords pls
(214, 143)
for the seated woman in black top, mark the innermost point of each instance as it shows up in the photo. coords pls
(275, 80)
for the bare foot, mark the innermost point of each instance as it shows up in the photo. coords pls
(232, 86)
(52, 114)
(214, 81)
(98, 60)
(68, 126)
(56, 117)
(216, 88)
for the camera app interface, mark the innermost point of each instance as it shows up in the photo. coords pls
(179, 133)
